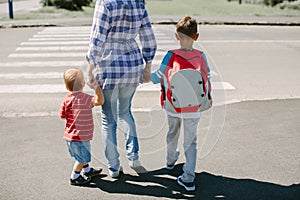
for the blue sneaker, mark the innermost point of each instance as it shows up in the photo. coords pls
(170, 167)
(188, 186)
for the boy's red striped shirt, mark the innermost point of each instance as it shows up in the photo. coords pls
(76, 108)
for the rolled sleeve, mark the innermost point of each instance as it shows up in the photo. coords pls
(147, 39)
(208, 68)
(62, 111)
(159, 73)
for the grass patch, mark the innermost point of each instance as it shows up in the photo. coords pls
(213, 8)
(50, 12)
(170, 7)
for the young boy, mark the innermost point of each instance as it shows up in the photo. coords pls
(186, 33)
(76, 108)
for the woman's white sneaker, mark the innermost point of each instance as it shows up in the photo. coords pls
(134, 164)
(115, 174)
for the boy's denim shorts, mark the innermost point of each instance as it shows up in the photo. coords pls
(81, 151)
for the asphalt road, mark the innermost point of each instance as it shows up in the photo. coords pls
(256, 157)
(248, 143)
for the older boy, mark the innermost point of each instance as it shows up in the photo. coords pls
(76, 108)
(186, 57)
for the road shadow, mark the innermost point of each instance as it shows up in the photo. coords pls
(162, 183)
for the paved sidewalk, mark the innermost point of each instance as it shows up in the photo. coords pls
(20, 6)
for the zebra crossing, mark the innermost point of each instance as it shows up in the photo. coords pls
(52, 50)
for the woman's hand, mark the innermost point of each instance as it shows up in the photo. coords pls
(147, 72)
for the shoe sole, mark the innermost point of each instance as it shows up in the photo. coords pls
(80, 184)
(170, 168)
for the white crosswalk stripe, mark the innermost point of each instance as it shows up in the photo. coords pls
(45, 55)
(60, 88)
(53, 48)
(67, 46)
(32, 64)
(31, 43)
(41, 75)
(58, 39)
(59, 35)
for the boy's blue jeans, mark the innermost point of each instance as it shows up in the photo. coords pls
(190, 126)
(81, 151)
(117, 106)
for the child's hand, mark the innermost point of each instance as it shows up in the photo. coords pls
(92, 83)
(147, 73)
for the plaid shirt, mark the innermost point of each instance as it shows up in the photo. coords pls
(113, 51)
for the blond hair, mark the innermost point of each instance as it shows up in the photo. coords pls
(74, 80)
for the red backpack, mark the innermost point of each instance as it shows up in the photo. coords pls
(185, 84)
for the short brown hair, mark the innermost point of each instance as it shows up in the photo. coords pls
(73, 79)
(187, 26)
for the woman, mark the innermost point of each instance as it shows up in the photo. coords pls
(118, 66)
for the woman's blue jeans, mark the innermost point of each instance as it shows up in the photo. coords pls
(117, 107)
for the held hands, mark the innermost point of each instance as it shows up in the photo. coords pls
(91, 82)
(147, 72)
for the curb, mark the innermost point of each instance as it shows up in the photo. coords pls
(236, 23)
(26, 25)
(160, 20)
(30, 25)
